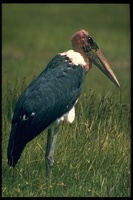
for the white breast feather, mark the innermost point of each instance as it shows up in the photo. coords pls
(75, 57)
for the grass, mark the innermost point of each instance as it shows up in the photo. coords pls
(92, 156)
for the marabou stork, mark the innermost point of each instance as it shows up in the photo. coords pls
(50, 98)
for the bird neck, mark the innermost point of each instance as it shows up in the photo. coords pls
(88, 63)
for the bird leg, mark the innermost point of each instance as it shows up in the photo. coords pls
(51, 143)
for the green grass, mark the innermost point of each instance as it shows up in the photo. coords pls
(92, 156)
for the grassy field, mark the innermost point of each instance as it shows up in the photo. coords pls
(92, 156)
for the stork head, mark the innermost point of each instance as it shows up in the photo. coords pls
(83, 43)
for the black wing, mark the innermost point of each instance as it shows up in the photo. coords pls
(47, 98)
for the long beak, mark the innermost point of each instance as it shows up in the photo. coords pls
(100, 61)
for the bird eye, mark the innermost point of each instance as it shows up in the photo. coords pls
(90, 40)
(92, 44)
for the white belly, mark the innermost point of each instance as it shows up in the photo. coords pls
(69, 117)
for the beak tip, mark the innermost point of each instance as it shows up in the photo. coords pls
(118, 85)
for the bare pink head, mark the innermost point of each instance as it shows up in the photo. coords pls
(83, 43)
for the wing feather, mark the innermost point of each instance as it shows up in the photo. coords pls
(49, 96)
